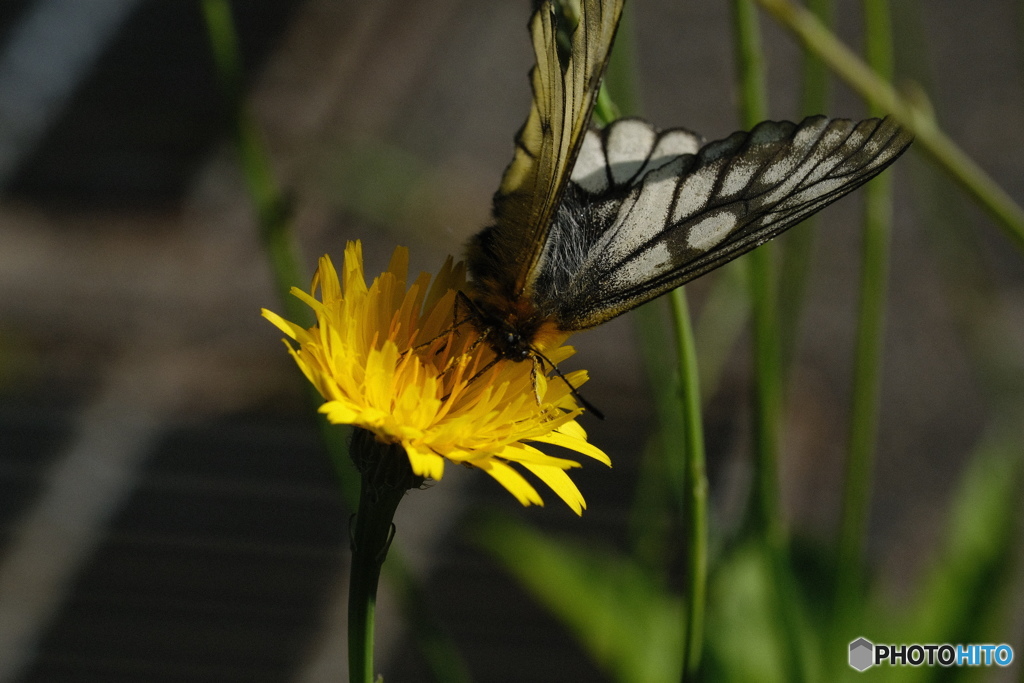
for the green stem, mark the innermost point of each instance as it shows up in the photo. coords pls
(386, 476)
(798, 245)
(868, 358)
(767, 394)
(753, 101)
(695, 493)
(918, 118)
(815, 88)
(765, 513)
(370, 539)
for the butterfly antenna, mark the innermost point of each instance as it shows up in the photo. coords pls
(573, 390)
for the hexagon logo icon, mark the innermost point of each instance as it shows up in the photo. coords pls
(861, 654)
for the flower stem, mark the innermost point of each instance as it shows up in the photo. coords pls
(386, 476)
(370, 540)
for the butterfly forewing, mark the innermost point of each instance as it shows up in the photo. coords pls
(564, 89)
(653, 218)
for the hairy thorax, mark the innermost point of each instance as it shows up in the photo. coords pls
(512, 326)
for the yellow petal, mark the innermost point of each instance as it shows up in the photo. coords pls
(289, 328)
(402, 360)
(519, 452)
(512, 481)
(425, 463)
(559, 482)
(338, 412)
(573, 443)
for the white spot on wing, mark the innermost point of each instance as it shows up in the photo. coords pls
(648, 264)
(833, 149)
(628, 146)
(677, 143)
(649, 215)
(695, 192)
(671, 145)
(590, 169)
(738, 177)
(827, 156)
(780, 170)
(808, 133)
(711, 230)
(815, 192)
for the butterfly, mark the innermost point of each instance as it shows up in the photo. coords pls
(589, 224)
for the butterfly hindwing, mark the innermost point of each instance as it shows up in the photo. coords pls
(647, 211)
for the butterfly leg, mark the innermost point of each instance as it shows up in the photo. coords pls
(456, 324)
(536, 365)
(479, 373)
(539, 359)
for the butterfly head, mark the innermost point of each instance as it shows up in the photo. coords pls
(512, 326)
(510, 344)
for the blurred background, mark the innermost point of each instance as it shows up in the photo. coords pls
(167, 511)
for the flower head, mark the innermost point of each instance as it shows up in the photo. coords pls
(391, 359)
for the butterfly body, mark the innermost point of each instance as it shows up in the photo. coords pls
(511, 323)
(589, 224)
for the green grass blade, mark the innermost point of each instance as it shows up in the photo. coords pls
(929, 137)
(626, 620)
(968, 595)
(868, 351)
(797, 245)
(271, 207)
(765, 514)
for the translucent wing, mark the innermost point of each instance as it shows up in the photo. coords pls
(503, 257)
(648, 211)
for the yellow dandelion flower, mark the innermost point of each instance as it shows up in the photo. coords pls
(388, 359)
